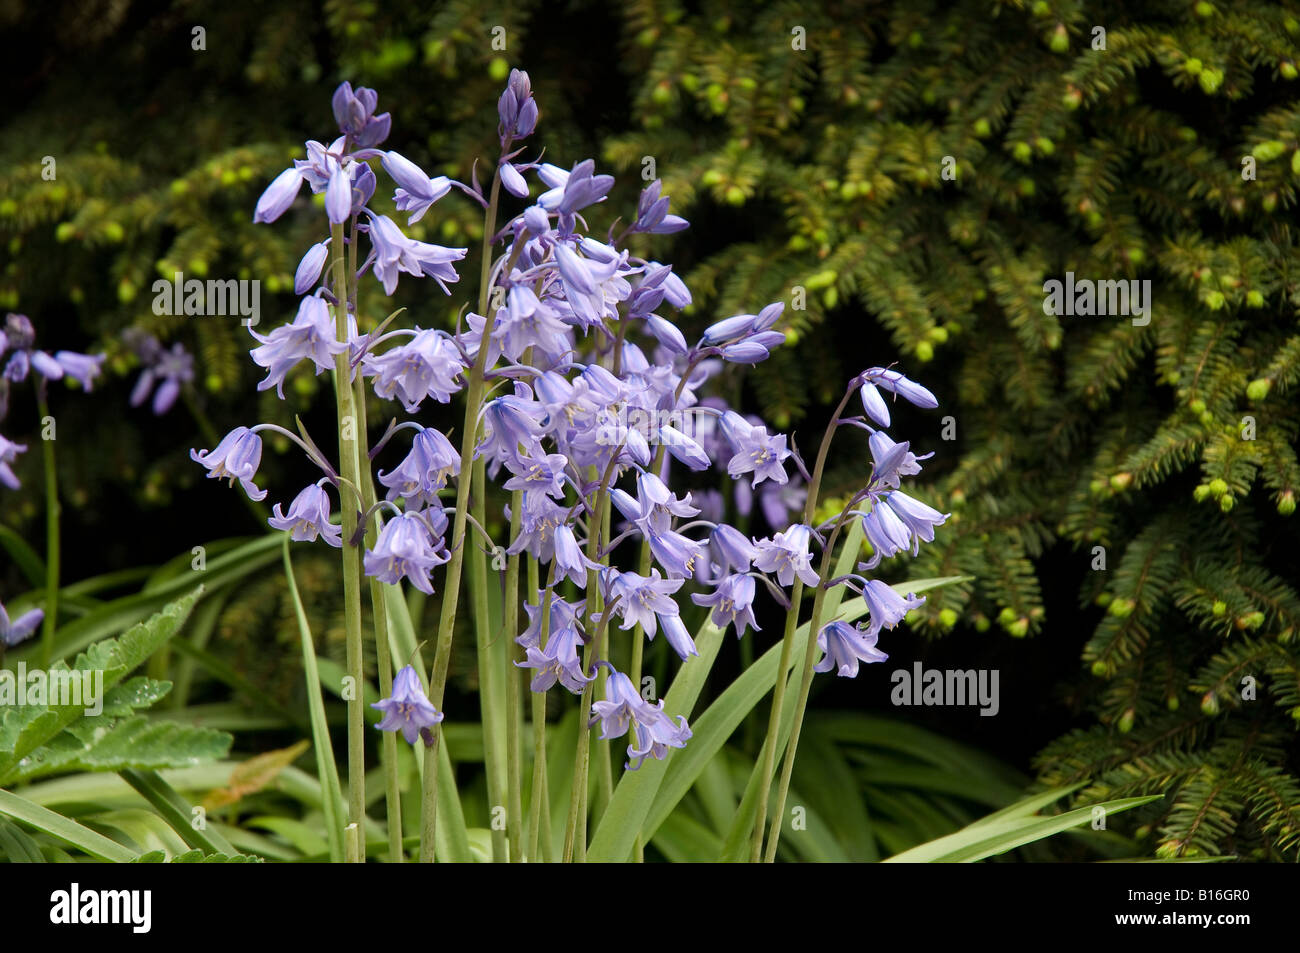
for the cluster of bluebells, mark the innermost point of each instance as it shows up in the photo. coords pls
(21, 359)
(595, 394)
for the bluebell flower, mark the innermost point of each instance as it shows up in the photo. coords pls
(844, 646)
(516, 108)
(279, 195)
(919, 518)
(310, 268)
(416, 191)
(83, 368)
(892, 460)
(395, 253)
(642, 598)
(787, 555)
(886, 606)
(311, 334)
(652, 213)
(527, 321)
(623, 709)
(886, 533)
(13, 632)
(236, 457)
(678, 554)
(308, 517)
(543, 474)
(8, 454)
(538, 519)
(732, 603)
(570, 561)
(355, 114)
(560, 662)
(408, 709)
(756, 451)
(405, 549)
(678, 638)
(428, 365)
(510, 422)
(424, 471)
(169, 370)
(733, 548)
(564, 615)
(896, 383)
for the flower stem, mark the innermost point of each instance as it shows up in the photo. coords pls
(349, 466)
(383, 650)
(538, 808)
(805, 686)
(451, 586)
(49, 624)
(514, 705)
(491, 677)
(787, 645)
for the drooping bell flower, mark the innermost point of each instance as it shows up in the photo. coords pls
(844, 646)
(408, 709)
(308, 517)
(236, 457)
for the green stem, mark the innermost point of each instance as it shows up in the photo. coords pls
(349, 466)
(805, 686)
(514, 705)
(787, 643)
(451, 586)
(491, 677)
(48, 625)
(383, 649)
(539, 811)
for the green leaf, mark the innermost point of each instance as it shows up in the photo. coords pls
(96, 744)
(23, 729)
(997, 836)
(56, 825)
(24, 557)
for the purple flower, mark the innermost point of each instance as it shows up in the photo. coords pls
(886, 606)
(279, 195)
(408, 709)
(652, 213)
(559, 662)
(405, 548)
(236, 457)
(892, 460)
(539, 518)
(428, 365)
(886, 533)
(354, 112)
(919, 519)
(510, 422)
(564, 615)
(570, 561)
(787, 555)
(754, 450)
(308, 517)
(424, 471)
(417, 192)
(11, 633)
(677, 636)
(623, 709)
(641, 598)
(844, 646)
(395, 253)
(169, 369)
(733, 548)
(678, 554)
(310, 268)
(311, 334)
(517, 108)
(82, 368)
(896, 383)
(732, 602)
(543, 474)
(8, 454)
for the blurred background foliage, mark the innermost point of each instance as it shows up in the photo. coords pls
(1133, 554)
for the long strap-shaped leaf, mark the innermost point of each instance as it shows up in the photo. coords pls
(93, 843)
